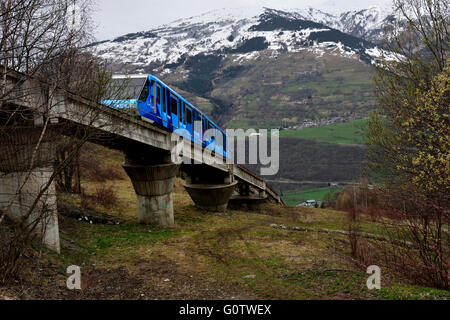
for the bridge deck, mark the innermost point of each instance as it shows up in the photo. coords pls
(120, 126)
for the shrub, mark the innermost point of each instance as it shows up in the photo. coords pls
(105, 196)
(93, 167)
(344, 201)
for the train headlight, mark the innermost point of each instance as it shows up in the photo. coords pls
(132, 105)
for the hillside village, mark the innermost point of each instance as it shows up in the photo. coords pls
(309, 123)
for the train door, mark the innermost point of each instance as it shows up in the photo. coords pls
(182, 115)
(159, 103)
(165, 116)
(214, 138)
(146, 102)
(152, 98)
(183, 119)
(174, 111)
(189, 122)
(204, 129)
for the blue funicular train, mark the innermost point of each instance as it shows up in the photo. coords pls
(157, 102)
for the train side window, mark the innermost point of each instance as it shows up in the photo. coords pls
(164, 100)
(169, 109)
(189, 115)
(158, 95)
(144, 93)
(174, 105)
(153, 94)
(182, 112)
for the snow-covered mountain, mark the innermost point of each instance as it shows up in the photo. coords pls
(367, 24)
(245, 31)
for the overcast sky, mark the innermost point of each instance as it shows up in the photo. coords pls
(118, 17)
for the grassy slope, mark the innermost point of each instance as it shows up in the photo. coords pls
(348, 132)
(273, 90)
(295, 197)
(207, 256)
(266, 92)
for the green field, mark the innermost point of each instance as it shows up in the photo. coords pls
(295, 197)
(347, 132)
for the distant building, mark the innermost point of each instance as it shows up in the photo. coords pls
(308, 204)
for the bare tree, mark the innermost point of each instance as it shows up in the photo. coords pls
(43, 62)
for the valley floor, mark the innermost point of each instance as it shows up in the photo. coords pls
(240, 255)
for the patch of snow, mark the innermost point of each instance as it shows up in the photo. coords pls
(226, 29)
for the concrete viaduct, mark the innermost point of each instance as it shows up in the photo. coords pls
(149, 160)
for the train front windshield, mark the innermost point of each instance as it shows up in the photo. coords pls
(121, 90)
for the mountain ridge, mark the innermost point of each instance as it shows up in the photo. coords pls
(222, 31)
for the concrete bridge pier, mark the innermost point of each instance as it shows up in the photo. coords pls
(209, 188)
(153, 185)
(22, 190)
(246, 198)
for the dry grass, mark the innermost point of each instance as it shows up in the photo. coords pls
(234, 256)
